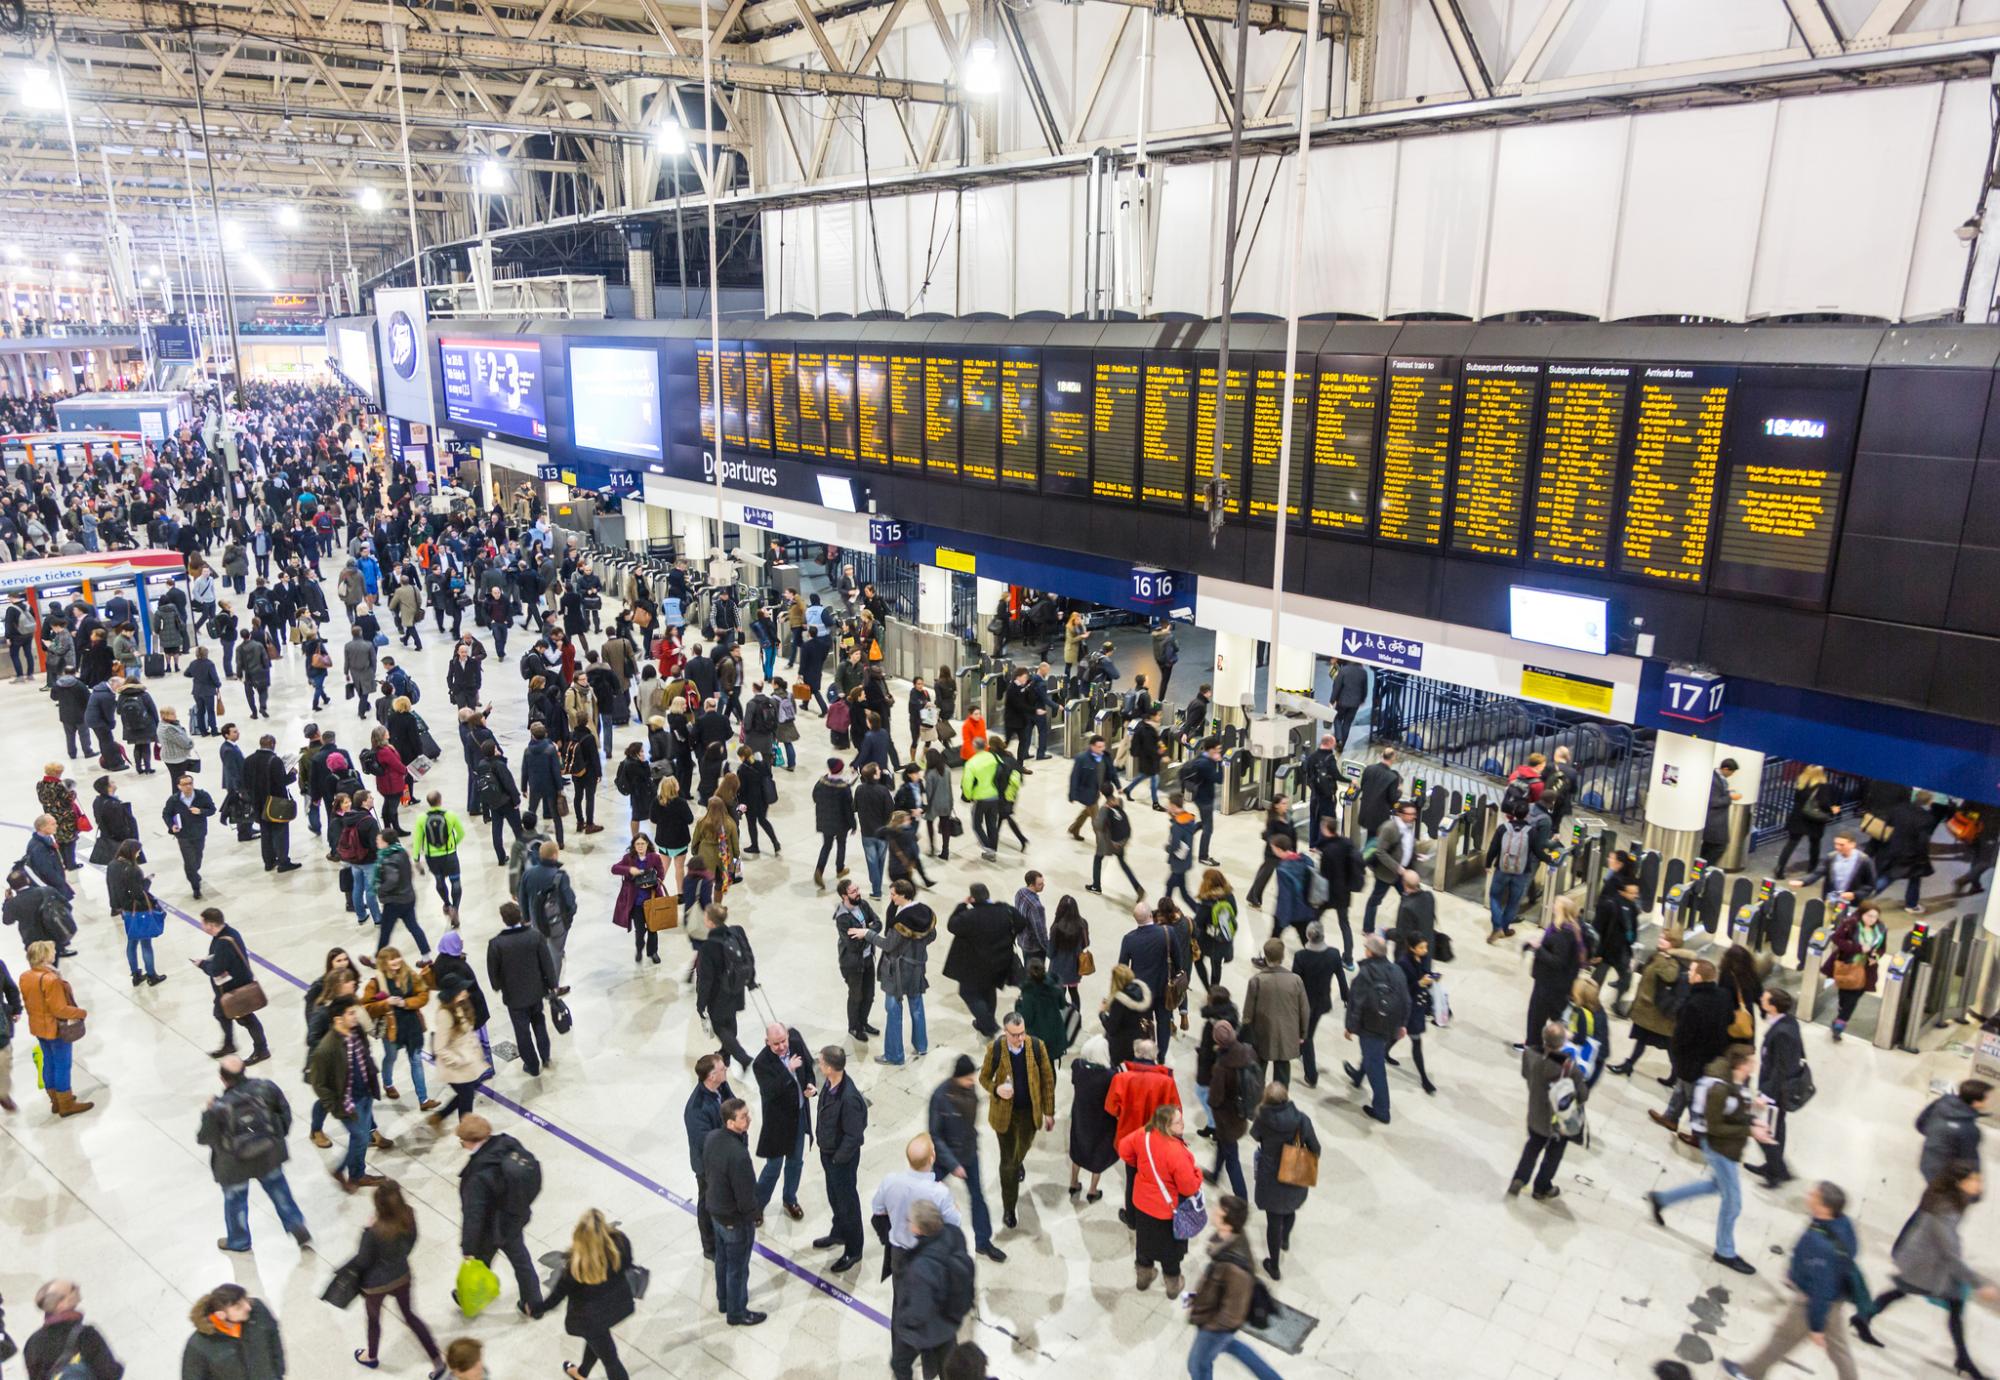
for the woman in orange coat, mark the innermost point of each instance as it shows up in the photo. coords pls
(1163, 1173)
(49, 1002)
(970, 732)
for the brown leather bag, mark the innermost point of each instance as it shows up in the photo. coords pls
(662, 912)
(1850, 977)
(1085, 964)
(1298, 1166)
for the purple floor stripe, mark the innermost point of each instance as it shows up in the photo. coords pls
(576, 1142)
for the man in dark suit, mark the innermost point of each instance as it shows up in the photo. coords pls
(187, 813)
(1381, 788)
(44, 858)
(1350, 692)
(702, 1114)
(785, 1087)
(228, 969)
(1090, 771)
(266, 778)
(843, 1126)
(1322, 777)
(1715, 826)
(1155, 954)
(1784, 1058)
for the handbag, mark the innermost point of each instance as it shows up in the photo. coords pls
(103, 851)
(1850, 977)
(950, 826)
(1875, 827)
(637, 1278)
(662, 913)
(1440, 1006)
(344, 1287)
(70, 1031)
(1799, 1091)
(246, 1000)
(145, 924)
(1297, 1165)
(1190, 1214)
(1743, 1025)
(281, 809)
(82, 819)
(1085, 964)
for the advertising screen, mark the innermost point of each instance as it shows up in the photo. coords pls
(495, 384)
(1555, 619)
(614, 401)
(357, 364)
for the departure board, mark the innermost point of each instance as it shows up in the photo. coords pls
(757, 398)
(871, 408)
(979, 418)
(941, 417)
(812, 404)
(1791, 445)
(1021, 420)
(1267, 436)
(906, 412)
(784, 402)
(1066, 420)
(1496, 438)
(840, 405)
(1676, 461)
(1114, 430)
(1343, 445)
(1235, 417)
(1165, 414)
(1416, 450)
(1582, 424)
(732, 397)
(704, 385)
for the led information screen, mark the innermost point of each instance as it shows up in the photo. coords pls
(1416, 451)
(1164, 414)
(1066, 419)
(871, 408)
(1114, 430)
(1791, 443)
(1581, 428)
(941, 417)
(732, 397)
(1676, 461)
(1343, 442)
(840, 406)
(614, 401)
(1496, 433)
(1267, 437)
(785, 402)
(1235, 416)
(704, 387)
(1021, 421)
(979, 418)
(812, 403)
(757, 397)
(495, 384)
(906, 412)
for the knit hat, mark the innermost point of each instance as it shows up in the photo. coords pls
(1224, 1033)
(962, 1066)
(453, 943)
(834, 766)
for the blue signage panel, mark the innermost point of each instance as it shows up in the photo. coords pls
(172, 343)
(759, 517)
(1383, 649)
(885, 532)
(1692, 696)
(496, 384)
(1151, 585)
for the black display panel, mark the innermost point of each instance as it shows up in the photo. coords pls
(1345, 408)
(784, 402)
(1235, 412)
(906, 413)
(941, 416)
(1066, 420)
(1576, 479)
(1166, 418)
(840, 406)
(979, 417)
(1676, 463)
(704, 382)
(871, 408)
(1021, 419)
(1114, 429)
(757, 397)
(812, 404)
(1416, 450)
(1791, 436)
(732, 397)
(1267, 437)
(1496, 439)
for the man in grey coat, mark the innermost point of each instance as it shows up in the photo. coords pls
(357, 659)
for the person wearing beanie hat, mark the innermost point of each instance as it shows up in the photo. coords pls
(954, 1132)
(833, 818)
(1235, 1090)
(451, 969)
(962, 1066)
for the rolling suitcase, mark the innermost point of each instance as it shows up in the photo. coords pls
(156, 665)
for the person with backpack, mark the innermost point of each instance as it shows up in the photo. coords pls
(1112, 827)
(138, 722)
(499, 797)
(244, 1129)
(357, 843)
(1377, 1015)
(1701, 1035)
(1725, 1120)
(1511, 855)
(1214, 926)
(1656, 1001)
(548, 899)
(65, 1347)
(522, 973)
(1227, 1297)
(439, 833)
(1234, 1091)
(1557, 1090)
(933, 1292)
(1825, 1278)
(497, 1189)
(725, 971)
(396, 891)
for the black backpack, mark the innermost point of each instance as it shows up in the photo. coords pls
(250, 1129)
(437, 833)
(1249, 1089)
(393, 872)
(763, 716)
(1514, 801)
(1669, 999)
(520, 1180)
(1118, 825)
(739, 966)
(958, 1276)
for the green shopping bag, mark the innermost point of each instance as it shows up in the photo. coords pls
(477, 1286)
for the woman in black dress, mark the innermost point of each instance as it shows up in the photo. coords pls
(1093, 1132)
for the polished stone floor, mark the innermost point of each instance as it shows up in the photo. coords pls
(1408, 1254)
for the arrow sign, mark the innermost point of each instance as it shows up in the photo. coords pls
(1383, 649)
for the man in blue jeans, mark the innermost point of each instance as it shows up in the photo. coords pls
(785, 1086)
(1377, 1010)
(244, 1128)
(342, 1071)
(1726, 1120)
(731, 1194)
(1221, 1302)
(1510, 856)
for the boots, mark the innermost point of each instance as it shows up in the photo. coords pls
(67, 1105)
(1146, 1274)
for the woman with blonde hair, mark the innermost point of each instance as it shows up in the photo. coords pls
(599, 1283)
(51, 1006)
(1126, 1014)
(673, 825)
(1559, 956)
(1813, 808)
(714, 842)
(395, 998)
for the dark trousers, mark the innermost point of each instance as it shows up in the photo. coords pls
(979, 999)
(903, 1359)
(531, 1036)
(1954, 1322)
(1774, 1149)
(704, 1224)
(251, 1027)
(372, 1303)
(1343, 724)
(543, 807)
(501, 819)
(860, 997)
(1014, 1145)
(834, 845)
(77, 736)
(1207, 831)
(525, 1279)
(1278, 1232)
(445, 875)
(844, 1198)
(1547, 1149)
(191, 860)
(724, 1024)
(1375, 895)
(276, 841)
(986, 824)
(1308, 1056)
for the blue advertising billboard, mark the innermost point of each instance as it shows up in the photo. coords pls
(494, 384)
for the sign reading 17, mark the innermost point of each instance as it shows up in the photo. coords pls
(1697, 698)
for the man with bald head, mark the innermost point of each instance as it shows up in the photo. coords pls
(898, 1192)
(785, 1083)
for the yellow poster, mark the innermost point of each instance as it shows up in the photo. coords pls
(948, 559)
(1566, 689)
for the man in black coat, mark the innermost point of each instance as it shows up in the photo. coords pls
(542, 777)
(522, 972)
(731, 1195)
(187, 813)
(1381, 787)
(701, 670)
(720, 993)
(228, 969)
(1155, 954)
(266, 778)
(492, 1214)
(1090, 771)
(244, 1128)
(701, 1115)
(785, 1088)
(1322, 777)
(1783, 1060)
(857, 962)
(1350, 692)
(1715, 825)
(981, 959)
(843, 1125)
(1701, 1034)
(923, 1320)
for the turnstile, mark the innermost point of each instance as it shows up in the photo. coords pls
(1459, 850)
(1904, 978)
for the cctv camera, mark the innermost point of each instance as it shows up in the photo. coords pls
(1968, 231)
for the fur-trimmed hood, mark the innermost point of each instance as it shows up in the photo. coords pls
(1136, 996)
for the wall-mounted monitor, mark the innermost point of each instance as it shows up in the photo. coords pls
(356, 357)
(614, 401)
(1554, 619)
(495, 385)
(836, 493)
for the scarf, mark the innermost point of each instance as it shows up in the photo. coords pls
(226, 1327)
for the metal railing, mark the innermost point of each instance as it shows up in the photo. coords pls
(966, 622)
(894, 578)
(1774, 798)
(1480, 736)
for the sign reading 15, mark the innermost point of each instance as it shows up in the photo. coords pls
(1152, 585)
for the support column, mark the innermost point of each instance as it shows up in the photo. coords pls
(1747, 782)
(1677, 796)
(639, 267)
(934, 598)
(1292, 669)
(1235, 673)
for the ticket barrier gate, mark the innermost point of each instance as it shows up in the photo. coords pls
(1245, 782)
(1815, 990)
(992, 692)
(1692, 894)
(1936, 985)
(969, 681)
(1459, 848)
(1905, 979)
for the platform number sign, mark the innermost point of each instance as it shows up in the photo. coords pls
(885, 532)
(1693, 697)
(1151, 586)
(549, 474)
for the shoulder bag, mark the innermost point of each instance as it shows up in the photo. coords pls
(344, 1287)
(1190, 1213)
(1298, 1166)
(246, 1000)
(1850, 977)
(1085, 964)
(280, 809)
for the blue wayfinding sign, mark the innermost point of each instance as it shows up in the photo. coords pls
(759, 517)
(1692, 696)
(1405, 654)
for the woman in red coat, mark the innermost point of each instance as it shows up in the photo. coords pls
(392, 777)
(1163, 1173)
(644, 871)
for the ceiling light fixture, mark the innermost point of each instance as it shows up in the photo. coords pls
(39, 90)
(371, 200)
(982, 67)
(288, 217)
(491, 178)
(670, 139)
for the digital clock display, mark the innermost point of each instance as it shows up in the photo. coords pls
(1805, 428)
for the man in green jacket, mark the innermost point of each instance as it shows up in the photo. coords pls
(1728, 1121)
(435, 843)
(979, 785)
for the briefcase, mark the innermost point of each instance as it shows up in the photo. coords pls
(243, 1001)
